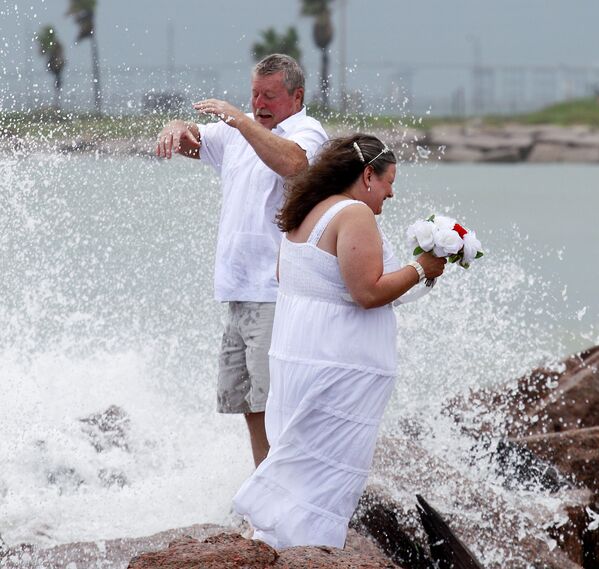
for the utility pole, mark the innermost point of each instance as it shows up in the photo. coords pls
(170, 52)
(343, 55)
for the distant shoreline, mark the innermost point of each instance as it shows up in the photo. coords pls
(449, 143)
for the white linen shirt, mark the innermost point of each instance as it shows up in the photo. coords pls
(248, 239)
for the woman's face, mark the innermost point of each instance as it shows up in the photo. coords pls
(381, 188)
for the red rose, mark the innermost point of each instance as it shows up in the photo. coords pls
(460, 230)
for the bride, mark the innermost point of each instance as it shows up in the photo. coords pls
(333, 352)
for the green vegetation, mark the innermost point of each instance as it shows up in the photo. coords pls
(568, 113)
(273, 42)
(51, 124)
(51, 48)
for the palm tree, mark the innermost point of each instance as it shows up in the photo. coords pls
(83, 12)
(273, 42)
(323, 35)
(51, 48)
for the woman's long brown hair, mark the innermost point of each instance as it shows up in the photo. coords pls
(336, 168)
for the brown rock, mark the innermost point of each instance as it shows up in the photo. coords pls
(574, 452)
(109, 554)
(500, 533)
(235, 552)
(546, 400)
(218, 552)
(564, 400)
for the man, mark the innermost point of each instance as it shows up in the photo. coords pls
(253, 153)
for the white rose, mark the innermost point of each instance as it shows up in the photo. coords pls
(443, 222)
(447, 242)
(471, 247)
(421, 234)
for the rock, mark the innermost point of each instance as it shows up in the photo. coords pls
(570, 136)
(503, 155)
(462, 154)
(118, 553)
(574, 452)
(546, 152)
(546, 400)
(522, 468)
(552, 413)
(109, 554)
(378, 515)
(233, 551)
(500, 533)
(581, 153)
(217, 552)
(446, 548)
(108, 429)
(554, 401)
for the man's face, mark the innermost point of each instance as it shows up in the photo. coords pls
(271, 103)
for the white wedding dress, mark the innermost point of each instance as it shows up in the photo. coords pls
(332, 367)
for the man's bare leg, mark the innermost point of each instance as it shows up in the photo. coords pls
(258, 438)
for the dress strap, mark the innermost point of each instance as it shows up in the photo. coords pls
(326, 218)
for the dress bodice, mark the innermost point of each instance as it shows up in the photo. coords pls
(312, 293)
(307, 270)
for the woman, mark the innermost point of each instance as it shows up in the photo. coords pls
(333, 351)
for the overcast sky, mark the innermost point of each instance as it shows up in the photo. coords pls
(383, 35)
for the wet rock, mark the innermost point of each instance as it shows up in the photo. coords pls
(557, 400)
(108, 429)
(66, 479)
(111, 477)
(447, 550)
(233, 551)
(378, 515)
(552, 418)
(109, 554)
(522, 468)
(574, 452)
(565, 396)
(500, 532)
(220, 551)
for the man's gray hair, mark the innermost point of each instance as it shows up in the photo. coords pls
(294, 74)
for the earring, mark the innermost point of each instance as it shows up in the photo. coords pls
(368, 188)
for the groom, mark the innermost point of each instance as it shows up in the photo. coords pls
(253, 153)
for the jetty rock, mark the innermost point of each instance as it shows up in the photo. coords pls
(500, 527)
(201, 545)
(543, 428)
(233, 551)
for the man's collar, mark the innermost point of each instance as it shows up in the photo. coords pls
(289, 121)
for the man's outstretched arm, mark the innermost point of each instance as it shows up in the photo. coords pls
(285, 157)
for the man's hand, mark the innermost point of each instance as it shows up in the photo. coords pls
(222, 110)
(179, 137)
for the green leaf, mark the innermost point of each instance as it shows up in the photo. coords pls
(453, 258)
(479, 255)
(418, 251)
(431, 218)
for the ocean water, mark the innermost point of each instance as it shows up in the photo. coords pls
(106, 299)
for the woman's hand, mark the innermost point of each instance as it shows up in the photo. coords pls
(433, 266)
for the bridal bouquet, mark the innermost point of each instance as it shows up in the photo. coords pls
(444, 237)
